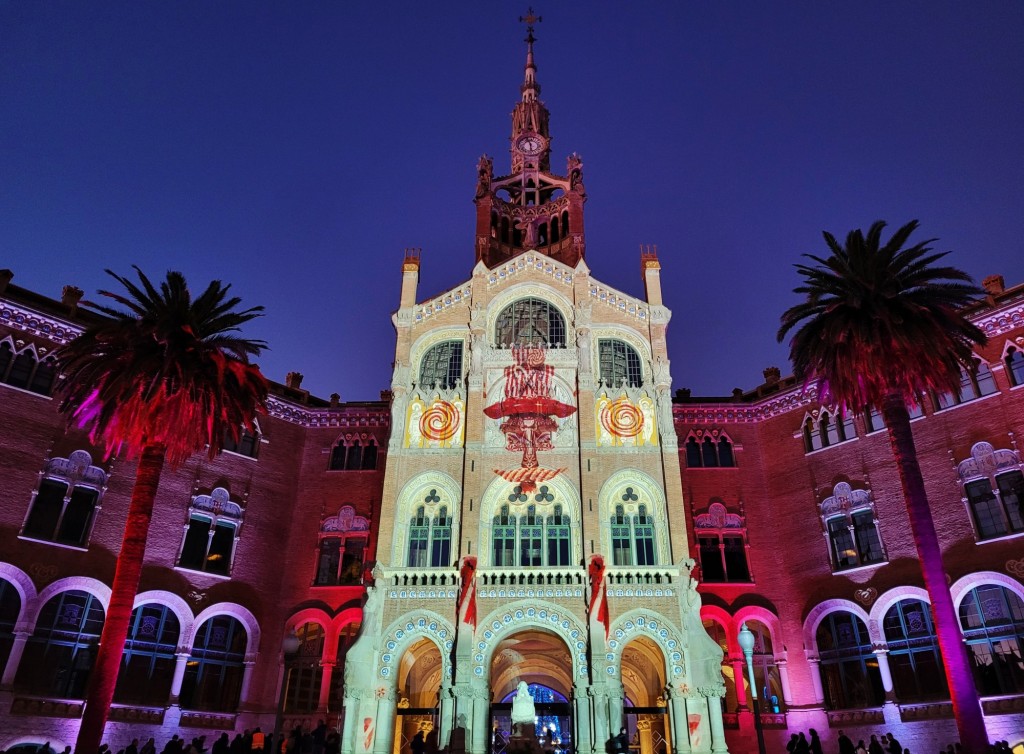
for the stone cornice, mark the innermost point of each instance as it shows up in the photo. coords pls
(312, 417)
(29, 321)
(746, 413)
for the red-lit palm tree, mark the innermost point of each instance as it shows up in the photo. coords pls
(158, 380)
(881, 326)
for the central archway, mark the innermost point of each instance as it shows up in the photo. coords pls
(420, 672)
(541, 659)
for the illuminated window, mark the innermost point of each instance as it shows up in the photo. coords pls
(829, 428)
(530, 322)
(533, 539)
(709, 450)
(147, 665)
(63, 507)
(722, 546)
(214, 670)
(343, 541)
(430, 536)
(1015, 365)
(60, 653)
(992, 620)
(993, 485)
(849, 519)
(26, 370)
(914, 659)
(303, 671)
(210, 535)
(619, 364)
(849, 669)
(632, 535)
(974, 384)
(441, 366)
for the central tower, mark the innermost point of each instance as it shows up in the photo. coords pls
(530, 208)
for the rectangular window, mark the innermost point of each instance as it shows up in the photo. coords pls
(558, 545)
(208, 546)
(46, 510)
(418, 544)
(711, 566)
(352, 561)
(441, 546)
(869, 546)
(1011, 490)
(330, 560)
(645, 545)
(504, 546)
(843, 552)
(735, 552)
(530, 545)
(622, 551)
(986, 510)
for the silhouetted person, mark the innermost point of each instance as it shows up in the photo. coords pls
(791, 745)
(845, 744)
(418, 744)
(220, 746)
(874, 747)
(149, 747)
(802, 747)
(815, 742)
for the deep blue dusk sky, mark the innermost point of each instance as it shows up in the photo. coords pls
(295, 148)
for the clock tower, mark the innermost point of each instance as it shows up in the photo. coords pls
(530, 208)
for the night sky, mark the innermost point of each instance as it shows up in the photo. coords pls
(294, 149)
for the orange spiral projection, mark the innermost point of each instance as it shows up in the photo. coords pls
(621, 418)
(439, 422)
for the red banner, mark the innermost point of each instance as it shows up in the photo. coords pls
(598, 593)
(466, 608)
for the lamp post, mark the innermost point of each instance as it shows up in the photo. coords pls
(746, 641)
(289, 646)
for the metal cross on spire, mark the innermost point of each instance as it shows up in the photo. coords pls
(530, 19)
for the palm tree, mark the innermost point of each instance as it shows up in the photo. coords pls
(157, 380)
(883, 325)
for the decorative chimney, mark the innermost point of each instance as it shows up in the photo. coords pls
(410, 277)
(335, 400)
(5, 278)
(772, 375)
(70, 296)
(737, 394)
(293, 380)
(994, 285)
(651, 268)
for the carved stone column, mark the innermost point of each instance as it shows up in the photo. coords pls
(447, 713)
(325, 685)
(384, 741)
(787, 694)
(819, 692)
(643, 727)
(738, 676)
(180, 663)
(678, 721)
(882, 655)
(616, 704)
(602, 730)
(247, 666)
(583, 733)
(479, 734)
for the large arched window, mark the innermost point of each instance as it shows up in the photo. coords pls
(993, 490)
(992, 619)
(849, 519)
(441, 366)
(60, 653)
(619, 364)
(25, 370)
(10, 607)
(213, 673)
(709, 449)
(64, 505)
(303, 671)
(914, 658)
(975, 383)
(147, 665)
(849, 669)
(633, 536)
(247, 444)
(430, 537)
(530, 322)
(830, 428)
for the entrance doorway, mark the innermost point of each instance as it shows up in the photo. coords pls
(643, 681)
(419, 681)
(543, 661)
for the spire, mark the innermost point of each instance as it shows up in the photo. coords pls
(530, 88)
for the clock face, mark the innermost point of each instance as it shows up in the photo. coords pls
(529, 144)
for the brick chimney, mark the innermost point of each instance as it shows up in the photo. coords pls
(771, 375)
(70, 296)
(293, 380)
(994, 285)
(335, 400)
(5, 278)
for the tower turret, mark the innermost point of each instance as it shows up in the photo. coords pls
(530, 208)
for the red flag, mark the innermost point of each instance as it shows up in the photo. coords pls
(599, 593)
(466, 608)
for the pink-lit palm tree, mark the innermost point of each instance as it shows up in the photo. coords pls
(158, 380)
(881, 326)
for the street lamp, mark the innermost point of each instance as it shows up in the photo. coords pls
(746, 641)
(289, 646)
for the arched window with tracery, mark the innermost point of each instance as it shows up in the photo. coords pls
(430, 534)
(709, 449)
(530, 322)
(354, 454)
(974, 383)
(441, 366)
(1014, 361)
(914, 659)
(993, 484)
(147, 665)
(619, 364)
(849, 669)
(60, 653)
(26, 369)
(829, 428)
(64, 506)
(992, 620)
(343, 540)
(851, 525)
(539, 536)
(303, 671)
(213, 527)
(722, 545)
(213, 673)
(632, 536)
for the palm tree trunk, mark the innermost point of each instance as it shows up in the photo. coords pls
(963, 693)
(122, 599)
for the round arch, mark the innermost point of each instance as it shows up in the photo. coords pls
(24, 587)
(408, 630)
(246, 618)
(413, 493)
(766, 618)
(96, 588)
(965, 584)
(640, 622)
(885, 602)
(611, 494)
(172, 602)
(496, 494)
(823, 609)
(526, 614)
(545, 292)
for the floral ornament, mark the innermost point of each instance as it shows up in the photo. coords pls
(518, 496)
(543, 496)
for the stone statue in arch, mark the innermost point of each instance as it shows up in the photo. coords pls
(524, 713)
